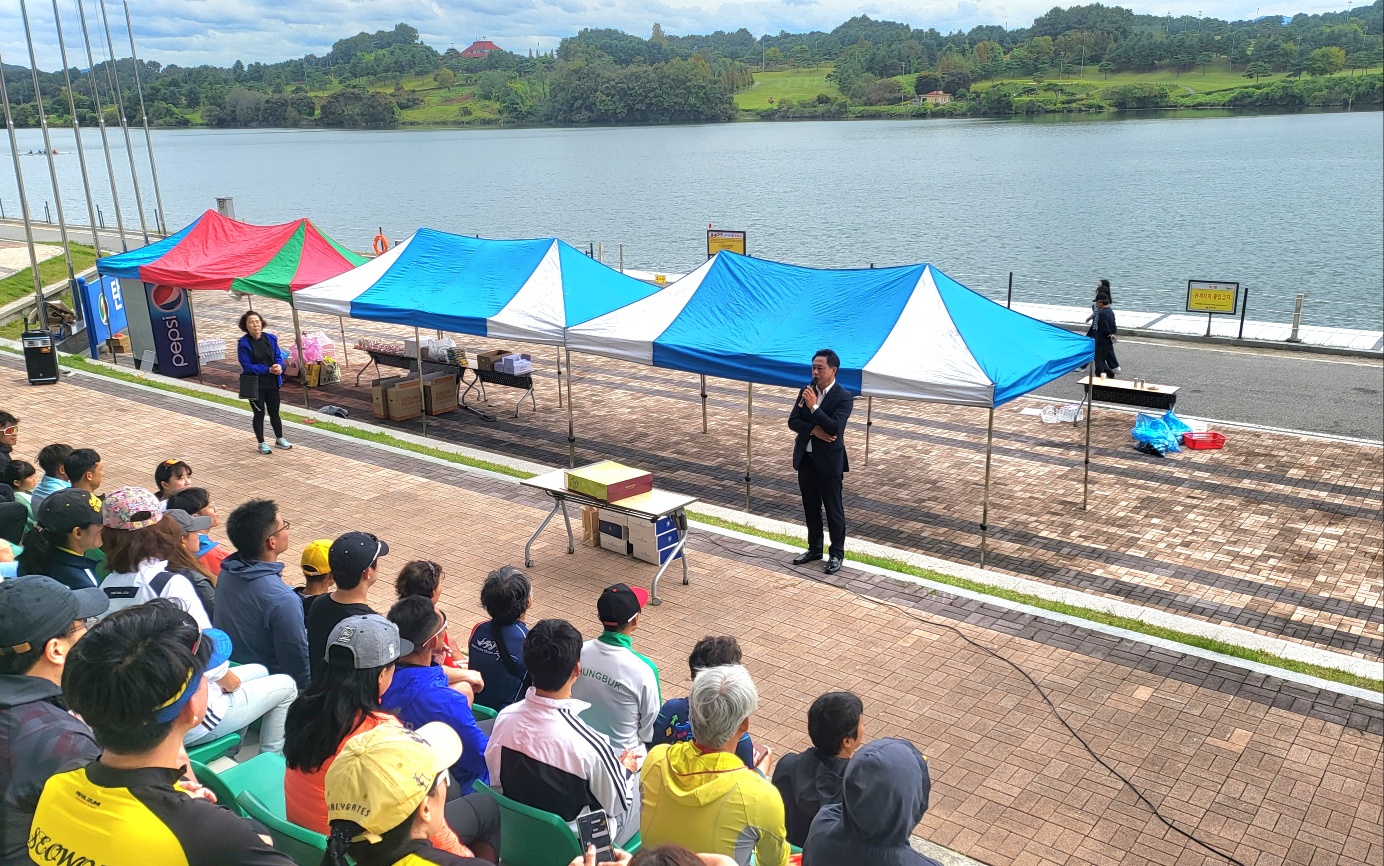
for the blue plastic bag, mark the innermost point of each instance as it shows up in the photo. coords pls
(1156, 433)
(1176, 424)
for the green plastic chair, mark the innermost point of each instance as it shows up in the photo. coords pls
(217, 748)
(301, 844)
(532, 837)
(481, 711)
(262, 775)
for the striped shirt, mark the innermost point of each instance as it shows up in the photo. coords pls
(543, 755)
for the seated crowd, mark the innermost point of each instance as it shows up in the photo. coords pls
(128, 636)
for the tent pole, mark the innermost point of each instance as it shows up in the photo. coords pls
(298, 339)
(703, 402)
(418, 349)
(559, 378)
(749, 430)
(345, 355)
(1086, 470)
(985, 502)
(868, 424)
(571, 434)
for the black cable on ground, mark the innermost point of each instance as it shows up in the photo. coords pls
(930, 620)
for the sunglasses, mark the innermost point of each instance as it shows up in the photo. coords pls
(442, 628)
(10, 430)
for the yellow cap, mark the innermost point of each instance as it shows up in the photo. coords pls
(380, 777)
(315, 562)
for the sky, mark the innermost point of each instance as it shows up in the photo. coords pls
(192, 32)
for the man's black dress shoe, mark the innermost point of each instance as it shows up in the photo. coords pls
(806, 557)
(833, 565)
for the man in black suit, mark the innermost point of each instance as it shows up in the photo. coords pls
(819, 455)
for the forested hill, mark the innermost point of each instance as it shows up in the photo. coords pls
(1065, 60)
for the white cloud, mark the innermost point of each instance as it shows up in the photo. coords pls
(189, 32)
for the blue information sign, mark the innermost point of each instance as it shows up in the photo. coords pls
(103, 308)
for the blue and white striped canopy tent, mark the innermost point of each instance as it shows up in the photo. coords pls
(525, 290)
(907, 332)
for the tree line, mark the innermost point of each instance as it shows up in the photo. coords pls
(608, 76)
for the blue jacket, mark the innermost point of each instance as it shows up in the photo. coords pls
(420, 695)
(884, 793)
(246, 365)
(263, 616)
(674, 725)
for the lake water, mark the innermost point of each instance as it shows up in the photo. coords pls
(1283, 204)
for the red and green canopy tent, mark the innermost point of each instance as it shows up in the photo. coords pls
(216, 252)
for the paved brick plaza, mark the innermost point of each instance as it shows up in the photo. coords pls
(1273, 772)
(1279, 534)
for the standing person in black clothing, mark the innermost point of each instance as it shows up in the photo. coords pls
(819, 455)
(1103, 330)
(355, 562)
(259, 355)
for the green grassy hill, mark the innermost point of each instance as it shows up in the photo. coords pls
(795, 84)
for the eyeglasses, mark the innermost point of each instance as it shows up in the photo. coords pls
(283, 528)
(10, 430)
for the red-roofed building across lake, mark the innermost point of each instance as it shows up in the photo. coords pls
(480, 49)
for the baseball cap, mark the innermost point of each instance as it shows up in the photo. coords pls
(131, 508)
(189, 522)
(619, 604)
(315, 562)
(220, 644)
(354, 552)
(381, 776)
(69, 509)
(34, 608)
(372, 640)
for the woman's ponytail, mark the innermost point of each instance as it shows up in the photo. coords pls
(342, 832)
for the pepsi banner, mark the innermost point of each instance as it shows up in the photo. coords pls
(175, 338)
(103, 308)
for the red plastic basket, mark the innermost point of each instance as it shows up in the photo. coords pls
(1203, 441)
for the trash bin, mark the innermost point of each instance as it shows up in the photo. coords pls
(40, 357)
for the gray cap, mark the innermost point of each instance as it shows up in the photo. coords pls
(189, 522)
(372, 640)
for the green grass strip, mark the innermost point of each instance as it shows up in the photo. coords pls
(77, 362)
(21, 283)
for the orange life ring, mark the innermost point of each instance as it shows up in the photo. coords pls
(381, 243)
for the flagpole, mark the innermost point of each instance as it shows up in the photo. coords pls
(124, 127)
(23, 200)
(77, 134)
(48, 149)
(101, 122)
(160, 221)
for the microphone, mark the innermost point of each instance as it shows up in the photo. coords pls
(811, 384)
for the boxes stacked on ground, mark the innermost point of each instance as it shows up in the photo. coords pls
(399, 398)
(440, 393)
(379, 394)
(609, 481)
(653, 541)
(614, 529)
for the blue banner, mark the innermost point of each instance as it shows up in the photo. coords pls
(103, 308)
(175, 337)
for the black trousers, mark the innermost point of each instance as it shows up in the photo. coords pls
(268, 403)
(1105, 356)
(821, 489)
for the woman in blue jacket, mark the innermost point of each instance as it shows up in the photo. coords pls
(259, 355)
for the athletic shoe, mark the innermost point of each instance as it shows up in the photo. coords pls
(265, 449)
(283, 443)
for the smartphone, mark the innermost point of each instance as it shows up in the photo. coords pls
(594, 829)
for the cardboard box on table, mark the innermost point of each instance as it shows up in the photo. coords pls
(486, 360)
(609, 481)
(440, 393)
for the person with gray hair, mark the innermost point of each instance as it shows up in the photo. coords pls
(699, 794)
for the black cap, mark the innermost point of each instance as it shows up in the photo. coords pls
(354, 552)
(68, 509)
(35, 608)
(619, 604)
